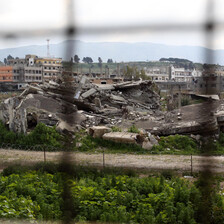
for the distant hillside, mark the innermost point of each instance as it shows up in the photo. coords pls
(119, 51)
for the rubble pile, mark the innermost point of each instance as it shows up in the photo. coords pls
(72, 106)
(80, 105)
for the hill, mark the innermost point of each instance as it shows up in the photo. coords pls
(120, 51)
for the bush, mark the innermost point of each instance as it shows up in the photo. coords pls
(133, 129)
(107, 196)
(42, 135)
(176, 143)
(185, 101)
(116, 129)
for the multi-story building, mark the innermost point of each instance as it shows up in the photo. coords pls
(52, 68)
(211, 82)
(166, 73)
(180, 74)
(158, 74)
(32, 69)
(6, 74)
(33, 74)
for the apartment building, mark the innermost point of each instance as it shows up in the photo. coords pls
(158, 74)
(52, 68)
(6, 74)
(32, 69)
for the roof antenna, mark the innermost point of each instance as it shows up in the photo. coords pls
(48, 48)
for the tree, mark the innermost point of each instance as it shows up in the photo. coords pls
(9, 57)
(87, 60)
(71, 59)
(107, 70)
(76, 59)
(133, 72)
(5, 61)
(109, 61)
(100, 64)
(90, 68)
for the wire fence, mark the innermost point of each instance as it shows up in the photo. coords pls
(190, 163)
(209, 27)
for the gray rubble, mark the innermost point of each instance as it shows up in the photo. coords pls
(84, 105)
(78, 105)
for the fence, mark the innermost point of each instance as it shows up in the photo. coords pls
(150, 162)
(209, 26)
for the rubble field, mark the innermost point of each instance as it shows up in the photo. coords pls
(83, 105)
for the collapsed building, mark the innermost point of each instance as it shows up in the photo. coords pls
(83, 105)
(54, 103)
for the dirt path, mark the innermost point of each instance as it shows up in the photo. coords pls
(157, 162)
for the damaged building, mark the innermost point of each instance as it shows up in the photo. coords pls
(90, 105)
(84, 104)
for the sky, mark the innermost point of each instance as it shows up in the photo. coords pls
(32, 21)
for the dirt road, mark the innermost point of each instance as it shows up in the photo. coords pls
(155, 162)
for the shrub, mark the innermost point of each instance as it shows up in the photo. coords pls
(41, 135)
(133, 129)
(176, 143)
(116, 129)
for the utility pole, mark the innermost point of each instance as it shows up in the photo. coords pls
(48, 48)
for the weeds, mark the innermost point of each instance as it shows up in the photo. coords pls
(133, 129)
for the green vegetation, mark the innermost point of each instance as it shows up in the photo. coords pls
(133, 129)
(186, 100)
(179, 62)
(133, 72)
(89, 143)
(41, 135)
(116, 129)
(44, 137)
(175, 144)
(110, 195)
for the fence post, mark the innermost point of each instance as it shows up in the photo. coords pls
(44, 155)
(103, 160)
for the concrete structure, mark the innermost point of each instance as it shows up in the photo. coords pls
(6, 74)
(158, 74)
(211, 82)
(52, 68)
(166, 73)
(32, 69)
(33, 74)
(181, 74)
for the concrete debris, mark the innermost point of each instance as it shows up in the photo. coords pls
(123, 137)
(88, 93)
(70, 106)
(98, 131)
(147, 145)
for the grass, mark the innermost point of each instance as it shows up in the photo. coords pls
(168, 145)
(98, 145)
